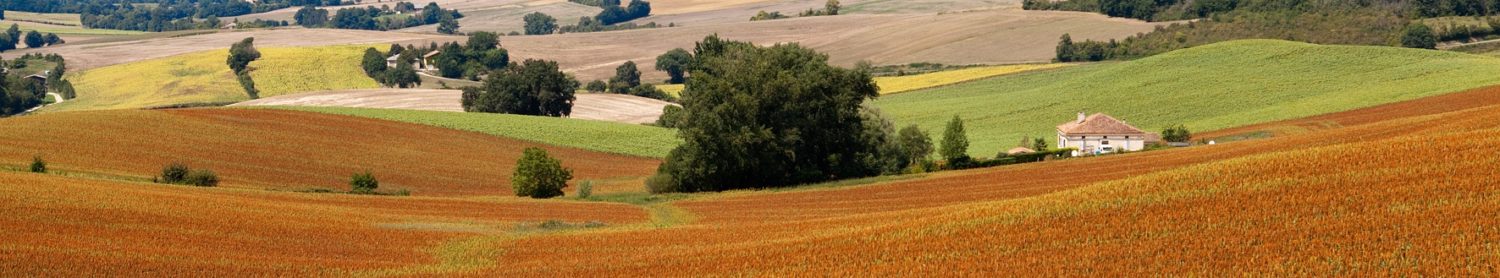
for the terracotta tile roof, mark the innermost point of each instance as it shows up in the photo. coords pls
(1098, 124)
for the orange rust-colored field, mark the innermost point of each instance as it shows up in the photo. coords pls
(1406, 195)
(288, 150)
(62, 226)
(1404, 192)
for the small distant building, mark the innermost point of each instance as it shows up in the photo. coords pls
(429, 60)
(40, 78)
(1100, 134)
(230, 26)
(391, 62)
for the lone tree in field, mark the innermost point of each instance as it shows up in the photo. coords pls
(758, 117)
(539, 176)
(1418, 35)
(241, 54)
(447, 24)
(627, 77)
(37, 165)
(538, 23)
(955, 146)
(675, 62)
(363, 183)
(534, 87)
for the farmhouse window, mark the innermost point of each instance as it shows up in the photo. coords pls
(1104, 143)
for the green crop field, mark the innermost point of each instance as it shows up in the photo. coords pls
(1206, 88)
(203, 77)
(609, 137)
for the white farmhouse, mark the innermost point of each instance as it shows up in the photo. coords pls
(1099, 134)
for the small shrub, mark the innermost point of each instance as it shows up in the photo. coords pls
(585, 189)
(174, 173)
(363, 183)
(37, 165)
(201, 177)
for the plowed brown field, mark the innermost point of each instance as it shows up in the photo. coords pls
(288, 150)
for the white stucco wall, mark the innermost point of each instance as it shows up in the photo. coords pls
(1120, 142)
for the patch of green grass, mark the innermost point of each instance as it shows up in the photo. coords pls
(1206, 88)
(609, 137)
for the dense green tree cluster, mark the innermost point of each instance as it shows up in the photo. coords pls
(538, 23)
(240, 56)
(675, 62)
(18, 93)
(376, 18)
(162, 15)
(627, 80)
(12, 38)
(1177, 133)
(589, 24)
(533, 87)
(757, 117)
(616, 14)
(1418, 35)
(480, 56)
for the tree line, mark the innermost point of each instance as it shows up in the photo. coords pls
(165, 15)
(13, 38)
(377, 18)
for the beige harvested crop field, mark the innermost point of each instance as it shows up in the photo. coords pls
(603, 107)
(87, 56)
(980, 37)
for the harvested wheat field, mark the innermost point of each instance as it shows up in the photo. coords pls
(979, 37)
(67, 226)
(602, 107)
(290, 150)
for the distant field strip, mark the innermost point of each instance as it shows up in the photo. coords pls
(1206, 88)
(202, 77)
(609, 137)
(901, 84)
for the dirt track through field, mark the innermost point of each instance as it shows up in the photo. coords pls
(603, 107)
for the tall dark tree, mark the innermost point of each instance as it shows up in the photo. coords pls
(538, 23)
(14, 32)
(955, 147)
(767, 117)
(533, 87)
(483, 41)
(241, 54)
(1065, 51)
(373, 63)
(627, 77)
(311, 17)
(52, 39)
(675, 62)
(34, 39)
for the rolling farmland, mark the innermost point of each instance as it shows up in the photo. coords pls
(902, 84)
(608, 137)
(1209, 87)
(1341, 200)
(289, 150)
(619, 108)
(107, 228)
(203, 78)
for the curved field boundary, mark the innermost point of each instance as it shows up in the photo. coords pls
(291, 150)
(608, 137)
(601, 107)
